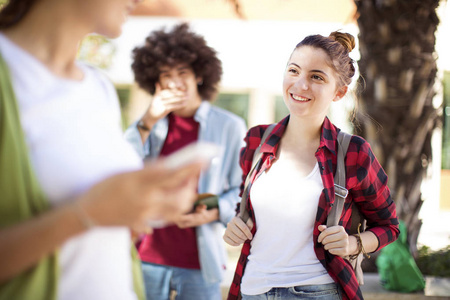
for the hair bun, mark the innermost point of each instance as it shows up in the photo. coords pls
(345, 39)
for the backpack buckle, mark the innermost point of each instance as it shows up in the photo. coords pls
(340, 191)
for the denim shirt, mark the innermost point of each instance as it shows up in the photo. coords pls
(223, 177)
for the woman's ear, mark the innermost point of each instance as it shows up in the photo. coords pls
(199, 80)
(340, 93)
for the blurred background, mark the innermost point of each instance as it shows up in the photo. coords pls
(403, 54)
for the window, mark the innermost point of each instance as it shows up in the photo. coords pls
(281, 110)
(235, 103)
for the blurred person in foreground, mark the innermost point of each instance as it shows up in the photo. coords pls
(182, 74)
(288, 251)
(67, 201)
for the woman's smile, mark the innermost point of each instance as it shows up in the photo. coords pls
(300, 98)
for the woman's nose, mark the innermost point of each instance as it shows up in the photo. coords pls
(302, 83)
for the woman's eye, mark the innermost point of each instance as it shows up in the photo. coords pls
(317, 77)
(294, 71)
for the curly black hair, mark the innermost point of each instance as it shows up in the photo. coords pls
(181, 45)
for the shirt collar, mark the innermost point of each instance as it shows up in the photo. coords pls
(272, 141)
(328, 136)
(201, 115)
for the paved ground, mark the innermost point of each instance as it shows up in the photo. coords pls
(436, 288)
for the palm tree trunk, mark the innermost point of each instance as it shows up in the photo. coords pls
(398, 73)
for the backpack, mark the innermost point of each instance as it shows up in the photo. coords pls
(397, 268)
(341, 192)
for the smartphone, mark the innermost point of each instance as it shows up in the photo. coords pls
(211, 201)
(194, 152)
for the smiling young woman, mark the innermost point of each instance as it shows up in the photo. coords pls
(293, 189)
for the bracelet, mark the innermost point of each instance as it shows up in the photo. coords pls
(83, 217)
(359, 245)
(142, 126)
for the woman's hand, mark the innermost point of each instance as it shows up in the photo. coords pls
(238, 232)
(132, 199)
(336, 240)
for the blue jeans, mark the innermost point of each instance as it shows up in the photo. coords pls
(187, 283)
(330, 291)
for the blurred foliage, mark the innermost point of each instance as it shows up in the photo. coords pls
(123, 93)
(2, 2)
(434, 263)
(97, 50)
(446, 127)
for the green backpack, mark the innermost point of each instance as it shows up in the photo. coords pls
(397, 268)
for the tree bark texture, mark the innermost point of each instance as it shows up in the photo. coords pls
(396, 115)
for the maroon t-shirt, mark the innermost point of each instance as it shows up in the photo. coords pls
(173, 246)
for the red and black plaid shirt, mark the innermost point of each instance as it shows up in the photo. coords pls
(368, 190)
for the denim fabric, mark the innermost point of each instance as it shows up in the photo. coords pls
(223, 177)
(329, 291)
(187, 283)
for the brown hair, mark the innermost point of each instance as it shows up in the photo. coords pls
(13, 12)
(337, 45)
(180, 45)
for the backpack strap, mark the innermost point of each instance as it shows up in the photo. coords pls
(340, 191)
(256, 162)
(340, 194)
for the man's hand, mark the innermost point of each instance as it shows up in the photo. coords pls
(200, 216)
(165, 101)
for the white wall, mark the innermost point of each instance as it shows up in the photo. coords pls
(253, 53)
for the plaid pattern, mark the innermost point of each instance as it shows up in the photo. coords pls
(368, 190)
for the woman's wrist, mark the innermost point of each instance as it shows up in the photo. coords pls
(83, 216)
(357, 249)
(354, 246)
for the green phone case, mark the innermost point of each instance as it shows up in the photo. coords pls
(211, 201)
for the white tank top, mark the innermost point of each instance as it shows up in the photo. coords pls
(282, 253)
